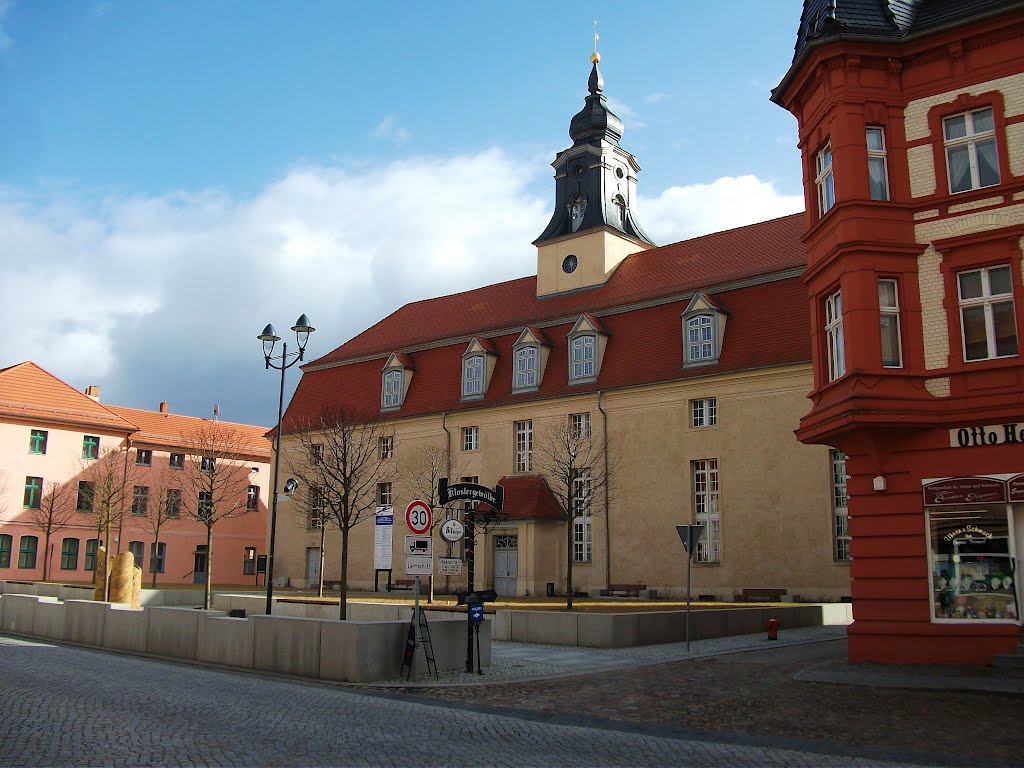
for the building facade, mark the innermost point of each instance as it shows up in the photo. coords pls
(56, 447)
(688, 363)
(911, 125)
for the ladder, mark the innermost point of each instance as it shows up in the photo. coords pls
(410, 650)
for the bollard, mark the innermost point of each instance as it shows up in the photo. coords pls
(773, 629)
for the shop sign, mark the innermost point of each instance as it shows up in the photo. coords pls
(1015, 486)
(968, 532)
(964, 490)
(992, 434)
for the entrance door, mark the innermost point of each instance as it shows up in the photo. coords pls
(506, 564)
(312, 567)
(199, 571)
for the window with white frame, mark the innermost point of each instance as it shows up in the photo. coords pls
(140, 500)
(986, 313)
(473, 375)
(582, 530)
(470, 438)
(173, 502)
(889, 320)
(583, 356)
(392, 393)
(205, 507)
(704, 412)
(387, 447)
(840, 506)
(384, 494)
(316, 453)
(823, 180)
(526, 367)
(208, 464)
(524, 446)
(878, 173)
(705, 509)
(579, 423)
(176, 461)
(700, 338)
(971, 158)
(834, 336)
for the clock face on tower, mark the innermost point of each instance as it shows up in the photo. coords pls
(569, 264)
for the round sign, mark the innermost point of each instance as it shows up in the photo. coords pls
(417, 516)
(452, 530)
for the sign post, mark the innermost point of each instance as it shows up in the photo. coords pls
(417, 562)
(689, 535)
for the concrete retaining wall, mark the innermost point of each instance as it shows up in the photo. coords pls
(49, 618)
(224, 640)
(126, 629)
(19, 613)
(286, 644)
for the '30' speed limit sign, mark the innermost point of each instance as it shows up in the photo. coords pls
(417, 517)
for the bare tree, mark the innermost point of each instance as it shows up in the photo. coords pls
(163, 510)
(105, 486)
(422, 473)
(578, 470)
(54, 513)
(339, 458)
(215, 481)
(312, 516)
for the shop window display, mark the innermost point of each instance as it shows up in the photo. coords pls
(971, 565)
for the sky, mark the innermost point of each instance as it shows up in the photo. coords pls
(174, 176)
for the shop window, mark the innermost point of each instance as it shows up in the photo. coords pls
(971, 158)
(878, 173)
(706, 511)
(986, 313)
(69, 555)
(823, 180)
(889, 319)
(972, 571)
(834, 336)
(840, 507)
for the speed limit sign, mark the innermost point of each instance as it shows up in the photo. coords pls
(417, 516)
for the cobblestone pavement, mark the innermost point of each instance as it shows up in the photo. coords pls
(66, 706)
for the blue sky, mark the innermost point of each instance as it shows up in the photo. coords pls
(176, 175)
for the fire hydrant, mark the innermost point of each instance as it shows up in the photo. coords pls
(773, 629)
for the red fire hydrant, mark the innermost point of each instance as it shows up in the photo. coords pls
(773, 629)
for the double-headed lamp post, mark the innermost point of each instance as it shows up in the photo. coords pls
(270, 338)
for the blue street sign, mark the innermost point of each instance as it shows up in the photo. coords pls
(476, 613)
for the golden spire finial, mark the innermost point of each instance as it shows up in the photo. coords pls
(595, 56)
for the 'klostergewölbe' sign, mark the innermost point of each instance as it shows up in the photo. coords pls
(991, 434)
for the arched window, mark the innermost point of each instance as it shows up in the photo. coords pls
(526, 367)
(392, 394)
(700, 338)
(473, 375)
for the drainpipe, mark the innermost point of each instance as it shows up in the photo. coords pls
(607, 502)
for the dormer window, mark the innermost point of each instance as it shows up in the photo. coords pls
(477, 366)
(529, 358)
(395, 379)
(703, 330)
(586, 348)
(526, 366)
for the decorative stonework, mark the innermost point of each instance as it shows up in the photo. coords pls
(931, 213)
(969, 223)
(975, 204)
(933, 314)
(922, 170)
(916, 112)
(1015, 147)
(938, 387)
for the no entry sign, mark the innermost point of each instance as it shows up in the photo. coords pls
(417, 516)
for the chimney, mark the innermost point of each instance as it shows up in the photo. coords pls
(163, 406)
(93, 392)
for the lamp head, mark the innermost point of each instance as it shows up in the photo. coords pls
(302, 330)
(290, 485)
(269, 338)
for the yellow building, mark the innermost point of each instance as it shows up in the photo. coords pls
(689, 365)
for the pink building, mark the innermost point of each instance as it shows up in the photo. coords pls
(55, 438)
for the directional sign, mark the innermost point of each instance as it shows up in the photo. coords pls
(470, 492)
(449, 566)
(419, 545)
(452, 530)
(476, 613)
(417, 516)
(419, 566)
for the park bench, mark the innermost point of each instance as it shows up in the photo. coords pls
(402, 584)
(625, 590)
(763, 595)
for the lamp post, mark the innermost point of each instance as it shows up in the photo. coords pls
(270, 338)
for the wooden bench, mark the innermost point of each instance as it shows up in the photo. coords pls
(624, 590)
(763, 595)
(402, 584)
(332, 584)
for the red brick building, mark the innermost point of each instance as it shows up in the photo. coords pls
(911, 126)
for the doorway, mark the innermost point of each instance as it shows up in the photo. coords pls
(506, 564)
(199, 569)
(312, 567)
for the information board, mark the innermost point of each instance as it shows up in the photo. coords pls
(382, 537)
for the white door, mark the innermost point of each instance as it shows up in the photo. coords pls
(506, 564)
(312, 567)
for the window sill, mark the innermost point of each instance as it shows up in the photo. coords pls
(582, 380)
(471, 398)
(524, 390)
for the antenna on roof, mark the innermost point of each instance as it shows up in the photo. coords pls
(216, 411)
(596, 36)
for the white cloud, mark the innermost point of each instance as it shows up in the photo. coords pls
(102, 9)
(654, 98)
(386, 129)
(629, 116)
(5, 39)
(679, 213)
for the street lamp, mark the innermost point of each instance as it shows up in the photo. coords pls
(270, 338)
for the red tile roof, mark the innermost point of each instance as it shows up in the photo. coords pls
(768, 325)
(29, 392)
(528, 497)
(171, 430)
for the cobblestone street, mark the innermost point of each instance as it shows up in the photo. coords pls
(66, 706)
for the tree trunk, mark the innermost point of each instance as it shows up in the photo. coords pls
(568, 574)
(152, 554)
(323, 557)
(343, 584)
(46, 557)
(106, 559)
(209, 566)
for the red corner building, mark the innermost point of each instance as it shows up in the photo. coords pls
(911, 125)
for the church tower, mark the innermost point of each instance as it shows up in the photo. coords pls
(592, 228)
